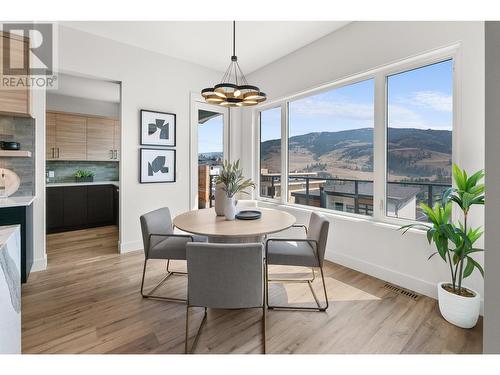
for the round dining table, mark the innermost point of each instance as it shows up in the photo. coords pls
(206, 223)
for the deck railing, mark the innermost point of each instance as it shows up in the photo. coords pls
(429, 192)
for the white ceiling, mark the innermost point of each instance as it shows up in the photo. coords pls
(209, 43)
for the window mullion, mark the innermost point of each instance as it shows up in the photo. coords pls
(379, 147)
(284, 153)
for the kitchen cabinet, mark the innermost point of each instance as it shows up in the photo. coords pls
(15, 101)
(100, 204)
(21, 215)
(79, 207)
(117, 138)
(71, 137)
(100, 139)
(50, 136)
(55, 208)
(82, 137)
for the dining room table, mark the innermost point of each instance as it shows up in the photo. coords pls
(205, 222)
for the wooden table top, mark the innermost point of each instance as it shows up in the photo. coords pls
(206, 223)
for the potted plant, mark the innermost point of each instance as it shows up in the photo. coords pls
(232, 181)
(84, 175)
(455, 244)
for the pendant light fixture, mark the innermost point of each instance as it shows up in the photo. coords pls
(233, 89)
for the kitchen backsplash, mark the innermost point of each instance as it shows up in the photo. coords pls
(64, 170)
(22, 130)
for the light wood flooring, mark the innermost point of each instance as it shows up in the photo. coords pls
(88, 301)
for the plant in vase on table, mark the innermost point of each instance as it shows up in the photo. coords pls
(455, 244)
(230, 181)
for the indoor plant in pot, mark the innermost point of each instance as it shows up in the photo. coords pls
(233, 182)
(455, 244)
(84, 175)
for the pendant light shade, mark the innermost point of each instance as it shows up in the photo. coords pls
(233, 89)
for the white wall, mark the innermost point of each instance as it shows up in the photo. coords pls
(375, 248)
(149, 81)
(65, 103)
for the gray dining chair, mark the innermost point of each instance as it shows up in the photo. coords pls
(225, 276)
(305, 252)
(160, 242)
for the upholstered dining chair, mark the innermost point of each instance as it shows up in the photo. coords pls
(225, 276)
(305, 252)
(160, 242)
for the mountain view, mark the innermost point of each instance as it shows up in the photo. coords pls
(414, 154)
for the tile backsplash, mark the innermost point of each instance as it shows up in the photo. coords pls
(64, 170)
(22, 130)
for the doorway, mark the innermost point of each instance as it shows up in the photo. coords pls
(209, 148)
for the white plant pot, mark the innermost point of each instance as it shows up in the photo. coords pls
(230, 208)
(220, 198)
(458, 310)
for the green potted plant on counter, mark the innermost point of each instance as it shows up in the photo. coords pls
(84, 175)
(232, 182)
(455, 244)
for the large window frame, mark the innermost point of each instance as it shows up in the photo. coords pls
(380, 76)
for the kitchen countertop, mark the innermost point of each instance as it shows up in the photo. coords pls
(16, 201)
(59, 184)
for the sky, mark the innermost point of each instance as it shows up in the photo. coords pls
(211, 135)
(420, 98)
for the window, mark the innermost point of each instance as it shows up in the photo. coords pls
(270, 153)
(403, 112)
(419, 138)
(330, 148)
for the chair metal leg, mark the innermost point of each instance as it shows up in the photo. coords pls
(264, 323)
(196, 338)
(309, 282)
(150, 293)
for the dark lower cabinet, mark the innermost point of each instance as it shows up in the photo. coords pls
(100, 204)
(22, 216)
(79, 207)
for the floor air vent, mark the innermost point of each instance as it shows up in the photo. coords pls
(404, 292)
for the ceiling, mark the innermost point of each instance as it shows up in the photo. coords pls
(86, 88)
(209, 43)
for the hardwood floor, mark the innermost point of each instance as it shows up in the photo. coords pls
(88, 301)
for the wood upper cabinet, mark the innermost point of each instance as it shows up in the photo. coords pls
(100, 138)
(117, 139)
(81, 137)
(50, 136)
(15, 101)
(71, 137)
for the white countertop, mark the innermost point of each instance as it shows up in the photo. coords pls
(5, 233)
(16, 201)
(59, 184)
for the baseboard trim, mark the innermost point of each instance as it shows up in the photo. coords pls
(424, 287)
(39, 265)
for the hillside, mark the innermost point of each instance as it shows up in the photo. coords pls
(414, 154)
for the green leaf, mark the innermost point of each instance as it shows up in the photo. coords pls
(477, 265)
(468, 268)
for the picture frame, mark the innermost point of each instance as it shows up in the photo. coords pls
(157, 128)
(157, 165)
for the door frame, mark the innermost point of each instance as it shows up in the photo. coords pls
(196, 103)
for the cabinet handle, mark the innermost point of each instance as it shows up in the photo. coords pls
(111, 151)
(53, 153)
(58, 152)
(116, 154)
